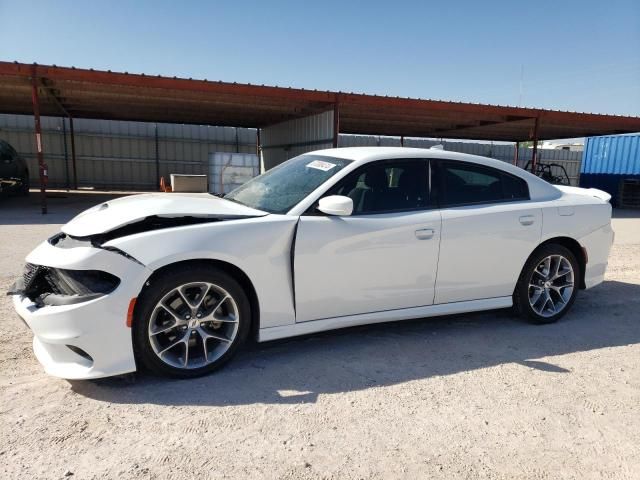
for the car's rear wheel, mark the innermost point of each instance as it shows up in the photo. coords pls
(190, 322)
(548, 284)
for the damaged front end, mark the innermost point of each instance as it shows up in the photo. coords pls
(74, 299)
(47, 286)
(50, 286)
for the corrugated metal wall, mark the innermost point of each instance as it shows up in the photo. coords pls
(291, 138)
(122, 155)
(616, 154)
(505, 152)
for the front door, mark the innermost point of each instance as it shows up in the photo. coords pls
(382, 257)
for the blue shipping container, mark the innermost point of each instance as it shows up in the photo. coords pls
(608, 161)
(617, 155)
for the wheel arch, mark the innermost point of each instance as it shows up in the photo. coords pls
(238, 274)
(574, 247)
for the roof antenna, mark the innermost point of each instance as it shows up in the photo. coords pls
(521, 82)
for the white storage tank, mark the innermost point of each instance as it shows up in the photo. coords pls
(230, 170)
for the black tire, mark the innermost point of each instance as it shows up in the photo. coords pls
(162, 285)
(521, 293)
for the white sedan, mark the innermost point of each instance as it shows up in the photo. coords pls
(330, 239)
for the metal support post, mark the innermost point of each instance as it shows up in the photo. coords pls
(534, 157)
(73, 153)
(157, 157)
(66, 153)
(336, 124)
(42, 167)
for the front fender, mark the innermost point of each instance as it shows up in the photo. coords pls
(260, 247)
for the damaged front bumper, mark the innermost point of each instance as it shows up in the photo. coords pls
(75, 301)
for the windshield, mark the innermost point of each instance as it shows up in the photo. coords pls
(283, 187)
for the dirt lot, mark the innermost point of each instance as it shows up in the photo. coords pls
(470, 396)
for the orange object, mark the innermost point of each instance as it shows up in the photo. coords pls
(132, 305)
(163, 185)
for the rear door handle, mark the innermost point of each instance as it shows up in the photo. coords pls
(527, 220)
(425, 233)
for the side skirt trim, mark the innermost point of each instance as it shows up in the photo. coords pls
(305, 328)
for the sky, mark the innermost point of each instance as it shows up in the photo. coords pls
(567, 55)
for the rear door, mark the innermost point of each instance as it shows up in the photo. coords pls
(382, 257)
(489, 229)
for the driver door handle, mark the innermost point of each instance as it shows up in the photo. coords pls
(425, 233)
(527, 220)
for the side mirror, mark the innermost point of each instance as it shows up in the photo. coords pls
(336, 205)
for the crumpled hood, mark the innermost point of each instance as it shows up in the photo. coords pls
(127, 210)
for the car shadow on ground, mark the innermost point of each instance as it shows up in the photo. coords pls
(298, 370)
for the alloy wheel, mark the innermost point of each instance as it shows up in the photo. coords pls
(551, 285)
(193, 325)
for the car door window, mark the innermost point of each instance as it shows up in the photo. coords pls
(386, 187)
(468, 184)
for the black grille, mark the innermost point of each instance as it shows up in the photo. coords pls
(39, 280)
(31, 274)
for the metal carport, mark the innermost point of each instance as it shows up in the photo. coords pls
(81, 93)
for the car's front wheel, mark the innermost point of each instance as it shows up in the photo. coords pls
(548, 284)
(189, 322)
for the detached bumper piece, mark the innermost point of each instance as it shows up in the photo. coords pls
(46, 286)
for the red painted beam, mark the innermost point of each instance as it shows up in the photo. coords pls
(139, 80)
(357, 110)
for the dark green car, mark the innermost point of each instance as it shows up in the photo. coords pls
(14, 173)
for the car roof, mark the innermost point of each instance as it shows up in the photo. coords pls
(367, 154)
(538, 188)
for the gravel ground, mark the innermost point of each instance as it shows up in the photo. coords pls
(469, 396)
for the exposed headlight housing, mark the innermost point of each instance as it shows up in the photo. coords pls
(56, 286)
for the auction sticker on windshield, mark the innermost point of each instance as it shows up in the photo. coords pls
(320, 165)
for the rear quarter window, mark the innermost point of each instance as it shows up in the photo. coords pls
(514, 188)
(465, 183)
